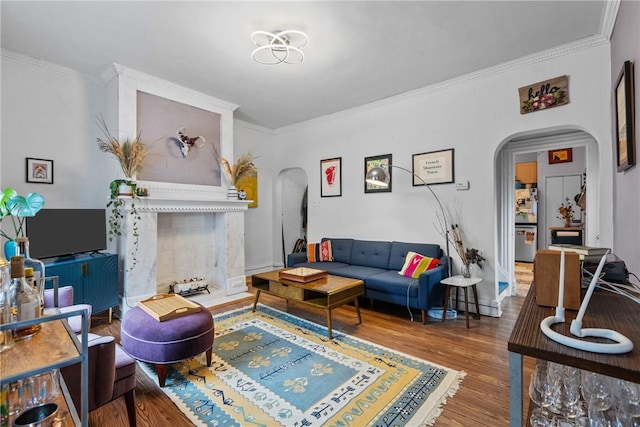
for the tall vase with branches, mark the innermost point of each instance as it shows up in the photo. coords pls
(130, 153)
(467, 255)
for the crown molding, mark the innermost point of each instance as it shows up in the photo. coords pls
(525, 61)
(120, 70)
(10, 55)
(609, 16)
(251, 126)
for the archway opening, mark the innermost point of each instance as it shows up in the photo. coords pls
(540, 142)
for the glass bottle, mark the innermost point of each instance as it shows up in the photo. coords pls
(6, 337)
(36, 279)
(25, 301)
(36, 284)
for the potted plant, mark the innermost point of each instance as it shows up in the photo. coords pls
(243, 166)
(130, 153)
(18, 208)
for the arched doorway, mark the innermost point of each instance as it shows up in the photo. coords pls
(291, 190)
(527, 142)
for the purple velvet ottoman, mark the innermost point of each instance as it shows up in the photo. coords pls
(163, 343)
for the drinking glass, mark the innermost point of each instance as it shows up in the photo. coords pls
(601, 416)
(597, 390)
(571, 379)
(626, 392)
(538, 387)
(44, 388)
(629, 414)
(10, 400)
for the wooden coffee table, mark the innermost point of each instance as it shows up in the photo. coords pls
(326, 293)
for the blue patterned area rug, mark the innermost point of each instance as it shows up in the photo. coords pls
(270, 368)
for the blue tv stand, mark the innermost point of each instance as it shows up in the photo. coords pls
(94, 277)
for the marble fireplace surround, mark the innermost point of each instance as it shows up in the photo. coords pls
(185, 231)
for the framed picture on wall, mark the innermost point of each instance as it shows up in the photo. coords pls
(561, 155)
(434, 167)
(383, 162)
(39, 171)
(625, 118)
(331, 177)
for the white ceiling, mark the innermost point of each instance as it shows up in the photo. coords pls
(358, 52)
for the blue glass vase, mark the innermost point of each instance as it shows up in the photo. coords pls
(10, 249)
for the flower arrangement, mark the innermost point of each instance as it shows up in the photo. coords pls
(566, 212)
(242, 167)
(541, 102)
(18, 207)
(130, 152)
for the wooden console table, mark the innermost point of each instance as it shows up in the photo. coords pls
(605, 310)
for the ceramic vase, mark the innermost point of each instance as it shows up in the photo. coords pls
(232, 193)
(10, 249)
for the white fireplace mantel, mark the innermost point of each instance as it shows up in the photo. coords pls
(141, 280)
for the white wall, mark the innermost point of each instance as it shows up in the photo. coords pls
(625, 46)
(473, 116)
(259, 232)
(49, 112)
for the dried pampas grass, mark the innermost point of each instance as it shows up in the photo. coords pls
(242, 167)
(130, 153)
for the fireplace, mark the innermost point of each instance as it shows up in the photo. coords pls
(185, 231)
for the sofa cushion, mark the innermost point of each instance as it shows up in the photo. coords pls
(393, 283)
(359, 272)
(416, 264)
(341, 249)
(329, 267)
(399, 252)
(319, 252)
(369, 253)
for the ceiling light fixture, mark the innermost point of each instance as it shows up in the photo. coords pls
(279, 47)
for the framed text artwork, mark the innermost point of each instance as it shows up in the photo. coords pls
(625, 118)
(383, 162)
(39, 171)
(561, 155)
(331, 177)
(434, 167)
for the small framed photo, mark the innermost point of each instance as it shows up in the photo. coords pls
(384, 163)
(625, 120)
(39, 171)
(331, 177)
(434, 167)
(562, 155)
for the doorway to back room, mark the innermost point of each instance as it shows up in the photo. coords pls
(524, 216)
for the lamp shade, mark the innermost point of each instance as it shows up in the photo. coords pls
(377, 176)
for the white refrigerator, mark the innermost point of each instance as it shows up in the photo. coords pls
(526, 239)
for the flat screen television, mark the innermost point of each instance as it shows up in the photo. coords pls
(65, 232)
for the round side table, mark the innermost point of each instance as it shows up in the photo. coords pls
(465, 283)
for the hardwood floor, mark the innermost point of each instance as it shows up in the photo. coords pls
(524, 277)
(480, 351)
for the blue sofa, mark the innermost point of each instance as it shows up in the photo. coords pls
(377, 264)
